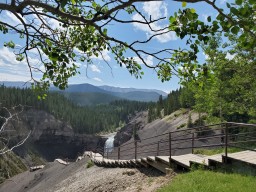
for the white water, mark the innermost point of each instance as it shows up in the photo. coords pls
(109, 144)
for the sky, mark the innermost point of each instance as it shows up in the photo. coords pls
(99, 73)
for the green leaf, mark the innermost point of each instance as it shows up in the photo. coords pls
(192, 10)
(94, 5)
(172, 19)
(105, 31)
(209, 19)
(184, 4)
(252, 2)
(63, 3)
(10, 45)
(239, 2)
(73, 2)
(234, 11)
(235, 30)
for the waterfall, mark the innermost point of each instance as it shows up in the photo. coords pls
(109, 144)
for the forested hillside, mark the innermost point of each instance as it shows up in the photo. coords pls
(180, 98)
(90, 119)
(225, 88)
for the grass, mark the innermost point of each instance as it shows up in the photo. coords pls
(208, 181)
(89, 164)
(10, 165)
(215, 151)
(182, 126)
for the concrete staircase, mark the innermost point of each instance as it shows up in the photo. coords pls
(162, 163)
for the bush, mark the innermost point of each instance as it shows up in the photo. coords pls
(89, 164)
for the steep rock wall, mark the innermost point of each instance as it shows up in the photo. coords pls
(50, 137)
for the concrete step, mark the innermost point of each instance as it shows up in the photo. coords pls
(151, 160)
(142, 163)
(184, 160)
(207, 161)
(248, 157)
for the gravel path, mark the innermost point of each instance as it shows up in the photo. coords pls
(99, 179)
(55, 177)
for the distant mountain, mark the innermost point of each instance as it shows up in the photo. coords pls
(87, 94)
(117, 93)
(82, 88)
(126, 90)
(18, 84)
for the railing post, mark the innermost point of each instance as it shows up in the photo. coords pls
(157, 154)
(170, 148)
(135, 149)
(118, 153)
(107, 153)
(226, 142)
(193, 140)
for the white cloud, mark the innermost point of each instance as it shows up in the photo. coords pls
(8, 56)
(148, 60)
(97, 79)
(13, 77)
(2, 62)
(12, 70)
(229, 56)
(103, 56)
(13, 18)
(154, 10)
(95, 68)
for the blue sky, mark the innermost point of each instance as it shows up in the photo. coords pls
(99, 73)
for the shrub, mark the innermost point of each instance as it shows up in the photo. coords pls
(89, 164)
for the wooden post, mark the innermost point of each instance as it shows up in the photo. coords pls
(158, 148)
(118, 153)
(226, 142)
(135, 149)
(193, 139)
(170, 148)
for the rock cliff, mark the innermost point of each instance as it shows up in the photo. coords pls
(50, 137)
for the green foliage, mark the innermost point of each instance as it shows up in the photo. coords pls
(183, 125)
(85, 99)
(180, 98)
(86, 119)
(227, 90)
(83, 35)
(89, 164)
(209, 152)
(201, 181)
(10, 165)
(238, 20)
(190, 123)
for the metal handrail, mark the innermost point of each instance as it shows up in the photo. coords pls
(174, 140)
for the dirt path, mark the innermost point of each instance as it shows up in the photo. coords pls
(76, 177)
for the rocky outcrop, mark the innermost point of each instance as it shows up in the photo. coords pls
(137, 123)
(51, 137)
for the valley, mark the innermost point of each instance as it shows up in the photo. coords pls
(65, 125)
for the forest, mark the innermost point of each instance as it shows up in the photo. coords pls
(225, 88)
(86, 119)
